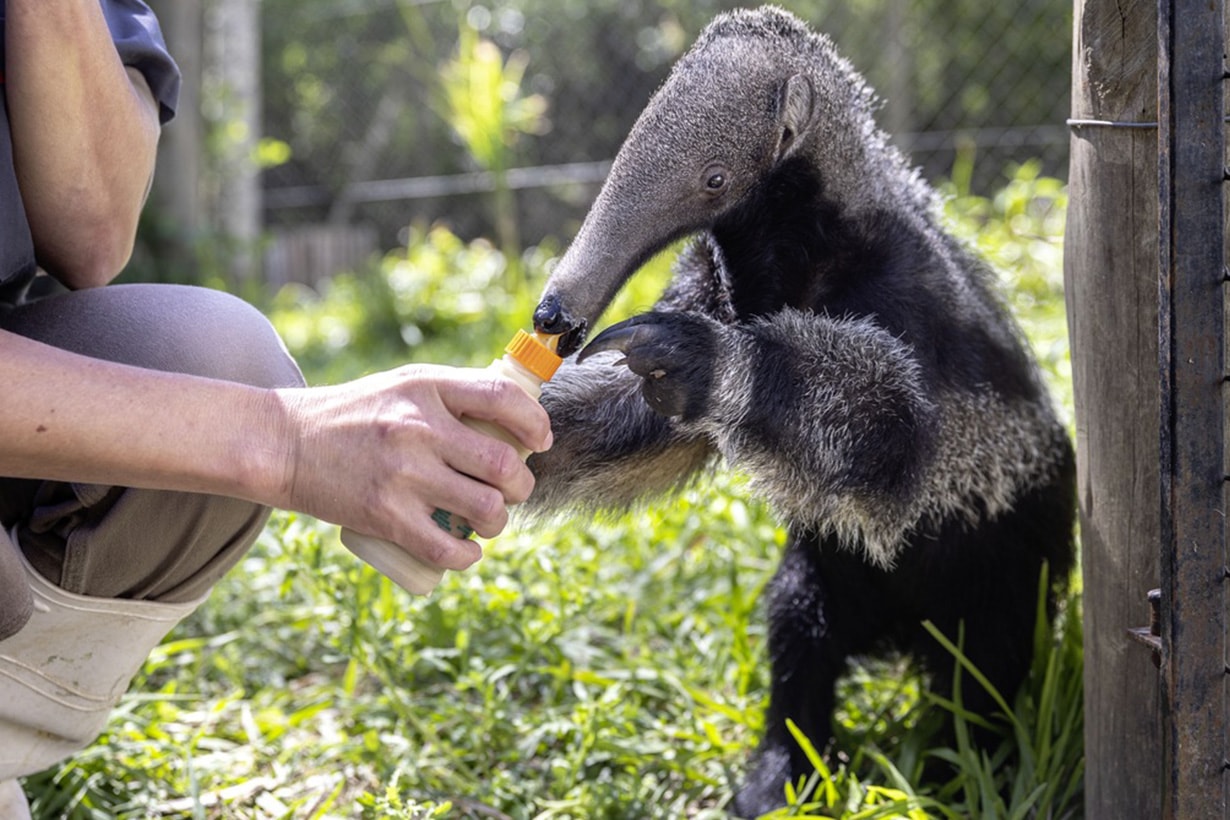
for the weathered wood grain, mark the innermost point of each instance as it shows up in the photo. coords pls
(1111, 264)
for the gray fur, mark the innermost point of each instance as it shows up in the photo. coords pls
(591, 466)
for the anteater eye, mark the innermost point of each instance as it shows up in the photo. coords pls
(714, 179)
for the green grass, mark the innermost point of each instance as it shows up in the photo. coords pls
(594, 669)
(606, 672)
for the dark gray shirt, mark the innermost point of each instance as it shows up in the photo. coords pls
(139, 42)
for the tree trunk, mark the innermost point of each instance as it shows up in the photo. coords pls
(233, 46)
(175, 198)
(1111, 266)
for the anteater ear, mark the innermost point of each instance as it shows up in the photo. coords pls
(794, 113)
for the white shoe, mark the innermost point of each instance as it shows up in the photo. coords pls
(13, 805)
(63, 672)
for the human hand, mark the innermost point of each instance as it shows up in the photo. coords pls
(381, 454)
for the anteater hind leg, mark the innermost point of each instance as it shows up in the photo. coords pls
(820, 611)
(980, 588)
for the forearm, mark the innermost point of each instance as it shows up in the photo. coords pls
(73, 418)
(378, 455)
(85, 133)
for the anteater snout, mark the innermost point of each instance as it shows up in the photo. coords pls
(552, 319)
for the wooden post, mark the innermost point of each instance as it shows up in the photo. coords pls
(1111, 261)
(1191, 336)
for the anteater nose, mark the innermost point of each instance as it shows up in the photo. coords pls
(549, 316)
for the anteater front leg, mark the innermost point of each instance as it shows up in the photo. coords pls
(611, 450)
(831, 418)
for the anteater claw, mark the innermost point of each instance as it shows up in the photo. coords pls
(674, 355)
(616, 337)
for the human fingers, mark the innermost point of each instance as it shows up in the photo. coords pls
(381, 454)
(494, 464)
(479, 394)
(477, 502)
(432, 539)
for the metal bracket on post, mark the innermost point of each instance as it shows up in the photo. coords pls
(1151, 635)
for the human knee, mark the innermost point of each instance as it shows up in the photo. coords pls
(174, 328)
(222, 336)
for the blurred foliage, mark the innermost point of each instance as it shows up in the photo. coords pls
(418, 303)
(355, 89)
(439, 299)
(485, 105)
(484, 102)
(417, 95)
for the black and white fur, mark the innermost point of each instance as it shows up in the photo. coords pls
(825, 335)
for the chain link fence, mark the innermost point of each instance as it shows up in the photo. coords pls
(354, 91)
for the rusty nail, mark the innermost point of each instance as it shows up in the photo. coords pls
(1155, 611)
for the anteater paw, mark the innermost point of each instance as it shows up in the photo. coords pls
(675, 354)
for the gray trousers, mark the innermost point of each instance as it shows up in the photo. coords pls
(117, 542)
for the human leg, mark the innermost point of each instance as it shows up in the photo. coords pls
(99, 562)
(143, 544)
(13, 801)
